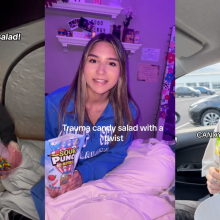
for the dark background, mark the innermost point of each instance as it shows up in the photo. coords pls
(14, 13)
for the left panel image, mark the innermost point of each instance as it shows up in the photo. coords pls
(22, 91)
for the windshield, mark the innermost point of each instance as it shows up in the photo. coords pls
(199, 109)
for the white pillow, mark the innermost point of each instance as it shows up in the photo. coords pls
(148, 168)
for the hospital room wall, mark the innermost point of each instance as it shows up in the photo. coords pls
(153, 20)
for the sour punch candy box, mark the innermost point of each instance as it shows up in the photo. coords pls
(61, 156)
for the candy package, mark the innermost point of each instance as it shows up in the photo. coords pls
(10, 159)
(217, 149)
(61, 157)
(217, 145)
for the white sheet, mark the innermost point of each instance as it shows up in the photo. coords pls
(142, 180)
(18, 196)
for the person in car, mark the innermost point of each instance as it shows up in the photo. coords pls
(185, 209)
(210, 165)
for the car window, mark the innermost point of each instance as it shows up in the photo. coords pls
(191, 84)
(206, 84)
(201, 108)
(216, 85)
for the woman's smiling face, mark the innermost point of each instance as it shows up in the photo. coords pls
(102, 68)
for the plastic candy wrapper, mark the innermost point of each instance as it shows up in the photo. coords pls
(217, 150)
(61, 157)
(10, 159)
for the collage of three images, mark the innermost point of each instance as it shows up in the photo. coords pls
(109, 110)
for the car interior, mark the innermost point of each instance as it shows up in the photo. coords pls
(198, 46)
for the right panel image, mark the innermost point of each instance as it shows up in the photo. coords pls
(197, 101)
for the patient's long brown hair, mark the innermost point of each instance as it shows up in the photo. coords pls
(119, 95)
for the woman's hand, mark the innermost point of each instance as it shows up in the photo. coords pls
(213, 180)
(53, 193)
(73, 183)
(14, 145)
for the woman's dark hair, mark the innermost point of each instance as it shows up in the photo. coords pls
(119, 95)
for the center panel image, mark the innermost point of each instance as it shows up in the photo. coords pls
(109, 147)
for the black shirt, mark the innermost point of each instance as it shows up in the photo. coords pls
(6, 127)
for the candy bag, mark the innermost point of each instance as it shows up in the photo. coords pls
(10, 159)
(217, 149)
(217, 146)
(61, 156)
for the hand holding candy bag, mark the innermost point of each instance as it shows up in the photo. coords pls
(213, 177)
(74, 182)
(61, 157)
(10, 158)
